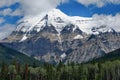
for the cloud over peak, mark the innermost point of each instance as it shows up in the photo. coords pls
(6, 30)
(108, 20)
(30, 7)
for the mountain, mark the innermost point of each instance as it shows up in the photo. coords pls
(114, 55)
(55, 36)
(8, 55)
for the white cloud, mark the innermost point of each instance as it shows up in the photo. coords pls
(107, 20)
(16, 12)
(5, 12)
(6, 3)
(98, 3)
(10, 12)
(29, 7)
(38, 6)
(1, 20)
(6, 30)
(113, 1)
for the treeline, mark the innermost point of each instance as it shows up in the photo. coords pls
(109, 70)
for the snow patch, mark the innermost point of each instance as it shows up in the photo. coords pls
(24, 38)
(63, 55)
(78, 37)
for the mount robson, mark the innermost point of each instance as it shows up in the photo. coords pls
(55, 36)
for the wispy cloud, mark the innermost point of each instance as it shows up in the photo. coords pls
(6, 30)
(7, 3)
(6, 12)
(10, 12)
(107, 20)
(27, 7)
(2, 20)
(98, 3)
(38, 6)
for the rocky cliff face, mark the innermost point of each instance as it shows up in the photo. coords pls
(56, 37)
(94, 47)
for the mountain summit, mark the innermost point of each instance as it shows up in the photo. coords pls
(55, 36)
(58, 20)
(54, 17)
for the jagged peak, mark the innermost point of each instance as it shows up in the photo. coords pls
(59, 20)
(102, 29)
(56, 12)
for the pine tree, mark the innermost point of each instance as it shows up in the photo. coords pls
(4, 71)
(18, 77)
(26, 72)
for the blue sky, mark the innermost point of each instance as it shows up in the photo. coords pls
(11, 11)
(74, 8)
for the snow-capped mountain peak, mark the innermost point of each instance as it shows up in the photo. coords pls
(54, 17)
(54, 36)
(59, 20)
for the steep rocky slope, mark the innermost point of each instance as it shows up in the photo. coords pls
(55, 36)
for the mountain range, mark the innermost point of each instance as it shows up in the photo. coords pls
(54, 36)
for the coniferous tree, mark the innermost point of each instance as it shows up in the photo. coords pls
(18, 77)
(26, 72)
(4, 71)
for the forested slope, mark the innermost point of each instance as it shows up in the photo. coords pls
(8, 55)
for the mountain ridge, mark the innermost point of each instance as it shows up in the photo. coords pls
(114, 55)
(8, 55)
(57, 19)
(56, 38)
